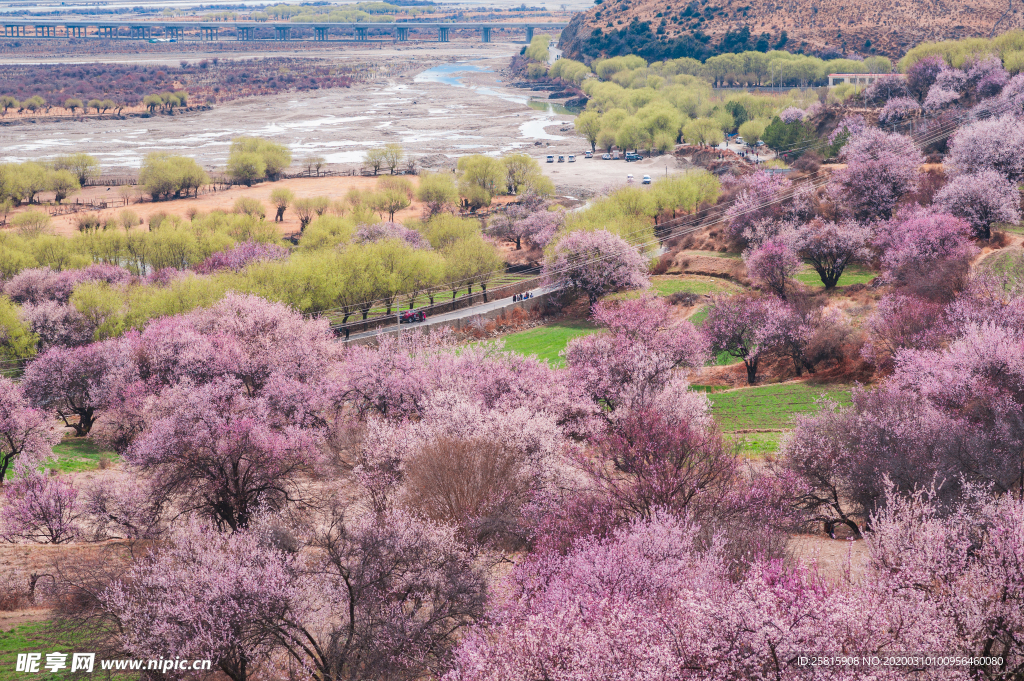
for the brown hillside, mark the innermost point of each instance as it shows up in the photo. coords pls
(891, 26)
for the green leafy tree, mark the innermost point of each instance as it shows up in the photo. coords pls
(83, 166)
(393, 155)
(313, 164)
(281, 197)
(72, 104)
(31, 223)
(437, 191)
(247, 167)
(703, 132)
(375, 158)
(7, 102)
(273, 159)
(752, 131)
(62, 183)
(588, 124)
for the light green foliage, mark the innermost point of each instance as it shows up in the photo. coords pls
(569, 70)
(72, 104)
(31, 223)
(252, 158)
(588, 124)
(166, 176)
(392, 156)
(752, 131)
(956, 52)
(7, 102)
(326, 232)
(247, 167)
(437, 190)
(62, 183)
(246, 205)
(703, 132)
(481, 177)
(523, 174)
(471, 262)
(396, 183)
(83, 166)
(388, 202)
(538, 48)
(878, 64)
(16, 339)
(281, 197)
(444, 230)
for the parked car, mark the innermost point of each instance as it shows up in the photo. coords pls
(632, 157)
(572, 159)
(561, 159)
(551, 159)
(629, 178)
(615, 156)
(646, 180)
(606, 157)
(589, 154)
(411, 316)
(760, 143)
(738, 140)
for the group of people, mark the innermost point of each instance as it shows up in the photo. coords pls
(522, 296)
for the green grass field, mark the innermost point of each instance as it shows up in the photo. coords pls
(770, 406)
(1008, 262)
(853, 274)
(755, 445)
(77, 454)
(547, 341)
(26, 638)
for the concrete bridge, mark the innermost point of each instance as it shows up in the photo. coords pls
(252, 30)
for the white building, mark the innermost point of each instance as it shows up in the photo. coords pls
(857, 78)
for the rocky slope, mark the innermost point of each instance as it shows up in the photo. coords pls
(701, 28)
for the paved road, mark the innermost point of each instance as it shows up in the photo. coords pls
(449, 317)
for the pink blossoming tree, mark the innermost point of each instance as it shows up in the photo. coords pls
(982, 199)
(745, 328)
(596, 263)
(880, 169)
(27, 436)
(772, 264)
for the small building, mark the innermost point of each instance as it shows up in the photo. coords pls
(857, 78)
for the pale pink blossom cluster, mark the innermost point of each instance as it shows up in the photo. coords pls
(595, 263)
(240, 255)
(792, 114)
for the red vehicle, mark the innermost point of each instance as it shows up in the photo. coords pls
(411, 316)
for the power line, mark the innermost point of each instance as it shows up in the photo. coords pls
(698, 221)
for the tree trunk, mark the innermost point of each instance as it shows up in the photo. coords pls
(751, 371)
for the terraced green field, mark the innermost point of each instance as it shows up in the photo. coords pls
(547, 341)
(25, 638)
(771, 407)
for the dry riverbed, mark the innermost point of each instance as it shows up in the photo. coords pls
(453, 106)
